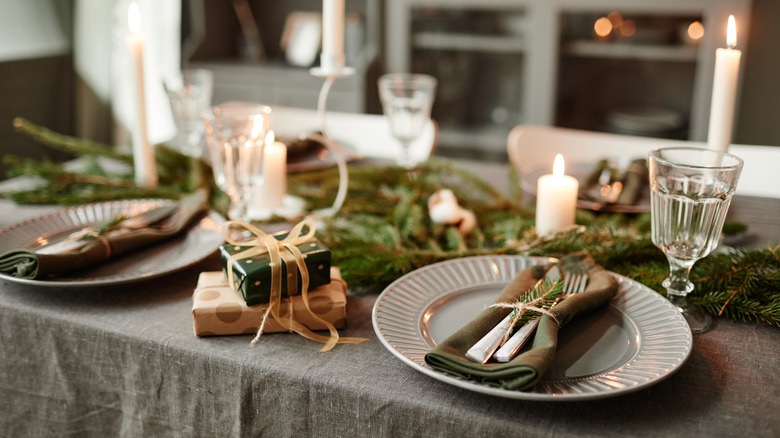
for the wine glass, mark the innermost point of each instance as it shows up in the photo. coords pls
(189, 94)
(236, 135)
(407, 99)
(691, 190)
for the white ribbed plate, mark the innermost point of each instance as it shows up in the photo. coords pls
(200, 241)
(636, 341)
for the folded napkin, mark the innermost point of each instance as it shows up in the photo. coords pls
(527, 368)
(30, 265)
(635, 180)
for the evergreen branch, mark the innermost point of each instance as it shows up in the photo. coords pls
(383, 230)
(67, 143)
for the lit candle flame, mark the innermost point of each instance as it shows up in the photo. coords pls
(731, 33)
(558, 166)
(134, 18)
(270, 138)
(257, 126)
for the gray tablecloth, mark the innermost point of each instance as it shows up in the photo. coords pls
(123, 361)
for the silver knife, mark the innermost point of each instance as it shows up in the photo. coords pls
(483, 350)
(514, 343)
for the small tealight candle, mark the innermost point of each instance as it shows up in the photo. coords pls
(271, 193)
(556, 200)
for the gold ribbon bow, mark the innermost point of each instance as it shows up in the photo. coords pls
(266, 243)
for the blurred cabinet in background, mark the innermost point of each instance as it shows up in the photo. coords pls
(241, 42)
(627, 66)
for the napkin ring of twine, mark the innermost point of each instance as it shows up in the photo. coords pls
(87, 234)
(521, 308)
(263, 243)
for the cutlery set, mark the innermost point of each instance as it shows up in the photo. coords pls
(496, 345)
(74, 241)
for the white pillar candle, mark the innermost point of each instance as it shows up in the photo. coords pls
(332, 58)
(143, 153)
(724, 91)
(556, 200)
(270, 194)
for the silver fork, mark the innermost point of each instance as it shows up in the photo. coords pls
(573, 283)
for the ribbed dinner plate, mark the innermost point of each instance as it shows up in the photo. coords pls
(200, 241)
(636, 341)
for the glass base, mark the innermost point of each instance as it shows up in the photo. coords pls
(698, 320)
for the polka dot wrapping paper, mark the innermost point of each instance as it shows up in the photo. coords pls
(219, 310)
(252, 275)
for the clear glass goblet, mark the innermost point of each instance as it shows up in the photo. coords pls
(691, 190)
(189, 94)
(236, 135)
(407, 99)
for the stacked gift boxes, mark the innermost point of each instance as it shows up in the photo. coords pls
(219, 309)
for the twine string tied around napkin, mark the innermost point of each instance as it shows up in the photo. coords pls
(284, 251)
(86, 234)
(520, 308)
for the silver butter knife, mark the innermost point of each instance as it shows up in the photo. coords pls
(483, 350)
(518, 339)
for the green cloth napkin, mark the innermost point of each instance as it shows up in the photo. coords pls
(526, 369)
(635, 180)
(27, 264)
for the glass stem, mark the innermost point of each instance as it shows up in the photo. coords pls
(238, 209)
(678, 282)
(406, 158)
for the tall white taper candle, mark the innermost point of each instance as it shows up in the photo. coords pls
(143, 152)
(724, 91)
(332, 58)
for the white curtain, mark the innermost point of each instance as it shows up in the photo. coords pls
(29, 29)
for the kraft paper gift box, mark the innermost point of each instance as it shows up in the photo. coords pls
(219, 310)
(252, 276)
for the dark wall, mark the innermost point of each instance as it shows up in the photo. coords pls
(758, 121)
(40, 90)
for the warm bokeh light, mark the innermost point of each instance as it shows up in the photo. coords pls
(270, 138)
(731, 33)
(134, 18)
(615, 18)
(558, 166)
(696, 30)
(627, 28)
(603, 27)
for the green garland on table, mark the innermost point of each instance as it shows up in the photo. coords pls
(383, 230)
(178, 174)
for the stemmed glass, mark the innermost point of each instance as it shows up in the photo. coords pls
(189, 93)
(236, 135)
(407, 99)
(691, 190)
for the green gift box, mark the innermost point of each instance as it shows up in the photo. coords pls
(252, 275)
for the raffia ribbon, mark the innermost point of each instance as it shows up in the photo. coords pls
(522, 308)
(265, 243)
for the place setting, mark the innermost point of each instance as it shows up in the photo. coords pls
(610, 185)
